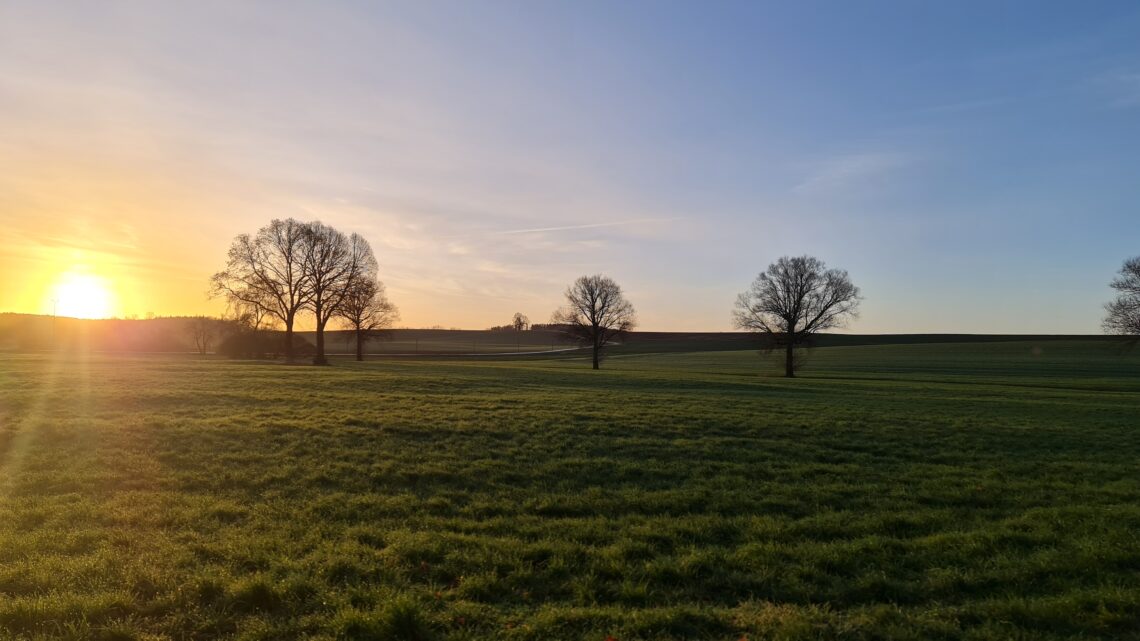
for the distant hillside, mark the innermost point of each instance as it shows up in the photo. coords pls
(641, 342)
(29, 332)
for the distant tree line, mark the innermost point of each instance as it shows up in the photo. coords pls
(549, 327)
(519, 323)
(33, 332)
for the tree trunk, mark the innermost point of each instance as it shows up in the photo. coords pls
(789, 363)
(320, 359)
(289, 341)
(596, 350)
(359, 344)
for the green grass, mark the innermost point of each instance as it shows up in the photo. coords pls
(447, 341)
(503, 343)
(957, 491)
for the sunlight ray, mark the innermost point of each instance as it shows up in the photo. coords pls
(25, 423)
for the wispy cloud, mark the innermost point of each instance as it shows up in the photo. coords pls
(620, 223)
(962, 105)
(852, 169)
(1124, 89)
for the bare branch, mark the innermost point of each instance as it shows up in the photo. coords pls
(366, 310)
(334, 263)
(265, 272)
(1123, 314)
(202, 330)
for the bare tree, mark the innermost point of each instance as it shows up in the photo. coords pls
(1123, 314)
(266, 272)
(520, 322)
(794, 299)
(334, 264)
(366, 310)
(202, 330)
(596, 313)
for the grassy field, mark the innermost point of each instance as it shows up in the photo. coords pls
(954, 491)
(449, 341)
(466, 342)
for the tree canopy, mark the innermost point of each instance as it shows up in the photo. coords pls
(596, 313)
(793, 299)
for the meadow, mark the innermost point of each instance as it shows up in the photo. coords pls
(950, 491)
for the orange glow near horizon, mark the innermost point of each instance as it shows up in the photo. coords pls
(81, 294)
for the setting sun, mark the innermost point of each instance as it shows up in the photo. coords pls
(82, 295)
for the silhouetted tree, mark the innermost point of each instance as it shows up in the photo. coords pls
(520, 322)
(202, 330)
(334, 264)
(366, 310)
(267, 271)
(1123, 315)
(793, 299)
(596, 313)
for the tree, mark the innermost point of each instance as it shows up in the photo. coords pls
(596, 313)
(266, 271)
(334, 265)
(520, 322)
(1123, 315)
(366, 310)
(202, 330)
(794, 299)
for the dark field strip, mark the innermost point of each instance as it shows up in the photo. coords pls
(893, 492)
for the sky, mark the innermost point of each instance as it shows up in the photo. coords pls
(972, 165)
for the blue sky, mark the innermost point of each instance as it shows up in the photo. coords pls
(972, 165)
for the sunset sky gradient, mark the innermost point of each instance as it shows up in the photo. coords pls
(974, 166)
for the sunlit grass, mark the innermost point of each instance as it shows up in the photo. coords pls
(893, 492)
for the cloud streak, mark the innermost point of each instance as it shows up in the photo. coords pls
(851, 169)
(620, 223)
(963, 106)
(1126, 90)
